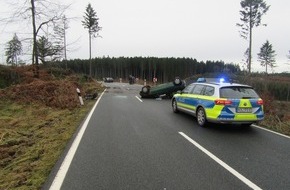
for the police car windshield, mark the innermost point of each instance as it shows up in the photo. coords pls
(238, 92)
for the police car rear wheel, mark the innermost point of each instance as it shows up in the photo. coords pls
(174, 106)
(201, 118)
(246, 125)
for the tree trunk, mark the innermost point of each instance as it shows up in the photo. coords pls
(90, 41)
(35, 53)
(64, 39)
(250, 42)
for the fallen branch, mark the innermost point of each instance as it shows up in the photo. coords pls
(2, 137)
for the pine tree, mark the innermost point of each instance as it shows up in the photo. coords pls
(267, 56)
(13, 50)
(91, 23)
(251, 16)
(45, 49)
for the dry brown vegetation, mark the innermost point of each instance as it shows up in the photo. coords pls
(277, 115)
(38, 117)
(48, 90)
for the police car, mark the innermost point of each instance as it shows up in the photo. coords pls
(219, 102)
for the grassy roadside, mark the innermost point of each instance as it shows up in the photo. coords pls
(30, 145)
(277, 116)
(38, 116)
(273, 123)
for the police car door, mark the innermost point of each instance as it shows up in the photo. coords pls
(193, 98)
(184, 95)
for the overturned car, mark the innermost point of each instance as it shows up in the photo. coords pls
(165, 89)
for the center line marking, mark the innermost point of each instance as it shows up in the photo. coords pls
(223, 164)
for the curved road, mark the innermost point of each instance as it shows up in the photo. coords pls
(132, 143)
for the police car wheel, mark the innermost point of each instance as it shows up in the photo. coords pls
(201, 118)
(174, 106)
(170, 95)
(246, 125)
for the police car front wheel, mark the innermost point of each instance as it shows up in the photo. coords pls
(174, 106)
(201, 117)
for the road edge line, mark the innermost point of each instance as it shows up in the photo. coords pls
(265, 129)
(61, 173)
(220, 162)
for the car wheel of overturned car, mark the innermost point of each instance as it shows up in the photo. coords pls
(174, 106)
(177, 81)
(201, 117)
(145, 89)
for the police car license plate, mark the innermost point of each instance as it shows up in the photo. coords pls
(244, 110)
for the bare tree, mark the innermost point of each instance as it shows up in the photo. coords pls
(41, 13)
(245, 62)
(251, 16)
(59, 37)
(55, 16)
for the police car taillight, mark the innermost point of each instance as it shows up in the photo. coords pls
(260, 102)
(223, 102)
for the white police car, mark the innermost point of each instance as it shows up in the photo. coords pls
(219, 102)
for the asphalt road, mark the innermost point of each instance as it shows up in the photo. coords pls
(132, 143)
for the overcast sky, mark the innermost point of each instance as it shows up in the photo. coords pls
(204, 30)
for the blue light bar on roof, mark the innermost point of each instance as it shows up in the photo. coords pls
(213, 80)
(222, 80)
(201, 80)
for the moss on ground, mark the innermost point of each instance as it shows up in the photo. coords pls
(32, 137)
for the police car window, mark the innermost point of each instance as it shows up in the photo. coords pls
(188, 89)
(238, 92)
(208, 91)
(198, 89)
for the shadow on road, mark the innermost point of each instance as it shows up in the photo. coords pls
(218, 128)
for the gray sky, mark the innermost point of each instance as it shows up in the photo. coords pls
(205, 30)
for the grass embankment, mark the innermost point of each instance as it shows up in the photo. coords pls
(274, 90)
(32, 138)
(277, 116)
(38, 117)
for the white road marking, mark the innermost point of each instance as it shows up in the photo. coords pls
(139, 99)
(223, 164)
(122, 97)
(59, 178)
(270, 131)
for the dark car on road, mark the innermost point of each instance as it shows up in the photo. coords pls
(167, 89)
(108, 79)
(131, 79)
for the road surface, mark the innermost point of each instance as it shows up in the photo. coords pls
(133, 143)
